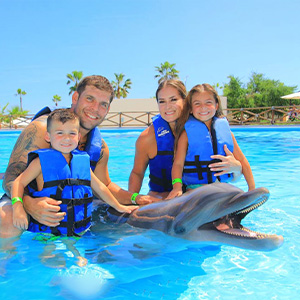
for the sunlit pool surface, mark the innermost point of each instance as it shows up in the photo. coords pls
(130, 263)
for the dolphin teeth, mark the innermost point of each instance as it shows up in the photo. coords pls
(244, 232)
(252, 207)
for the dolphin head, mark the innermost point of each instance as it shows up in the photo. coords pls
(211, 213)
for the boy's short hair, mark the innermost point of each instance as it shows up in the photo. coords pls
(61, 115)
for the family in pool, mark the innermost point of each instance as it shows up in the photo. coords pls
(61, 161)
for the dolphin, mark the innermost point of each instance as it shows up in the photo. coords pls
(210, 214)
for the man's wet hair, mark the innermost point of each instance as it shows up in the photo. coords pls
(61, 115)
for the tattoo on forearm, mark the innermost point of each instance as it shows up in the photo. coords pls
(103, 147)
(12, 172)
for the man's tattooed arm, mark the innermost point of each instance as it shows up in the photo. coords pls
(101, 170)
(103, 147)
(31, 138)
(12, 172)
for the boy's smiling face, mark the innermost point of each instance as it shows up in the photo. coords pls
(63, 137)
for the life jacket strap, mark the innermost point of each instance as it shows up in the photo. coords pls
(62, 183)
(67, 182)
(75, 202)
(201, 167)
(77, 224)
(163, 181)
(71, 224)
(93, 163)
(165, 152)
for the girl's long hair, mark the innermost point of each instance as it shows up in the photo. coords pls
(187, 108)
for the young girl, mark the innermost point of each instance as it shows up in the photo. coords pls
(203, 136)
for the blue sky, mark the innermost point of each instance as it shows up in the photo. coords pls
(43, 40)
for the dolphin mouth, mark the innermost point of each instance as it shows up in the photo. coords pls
(231, 224)
(236, 229)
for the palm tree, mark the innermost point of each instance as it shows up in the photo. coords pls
(121, 91)
(166, 71)
(15, 113)
(3, 117)
(20, 93)
(75, 77)
(56, 99)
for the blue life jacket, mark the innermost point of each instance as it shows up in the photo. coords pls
(94, 140)
(70, 184)
(160, 166)
(201, 145)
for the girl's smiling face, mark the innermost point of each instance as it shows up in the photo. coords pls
(204, 106)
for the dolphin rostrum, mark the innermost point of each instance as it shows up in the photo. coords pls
(210, 214)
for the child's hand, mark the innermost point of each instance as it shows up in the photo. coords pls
(126, 209)
(20, 219)
(174, 193)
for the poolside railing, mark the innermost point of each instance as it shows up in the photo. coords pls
(236, 116)
(259, 115)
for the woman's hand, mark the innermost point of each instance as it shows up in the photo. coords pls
(126, 209)
(146, 199)
(174, 193)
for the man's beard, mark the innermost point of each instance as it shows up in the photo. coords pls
(90, 127)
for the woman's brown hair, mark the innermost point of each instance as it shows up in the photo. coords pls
(175, 83)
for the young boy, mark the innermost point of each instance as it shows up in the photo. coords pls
(62, 173)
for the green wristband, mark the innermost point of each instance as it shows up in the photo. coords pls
(16, 199)
(176, 180)
(134, 195)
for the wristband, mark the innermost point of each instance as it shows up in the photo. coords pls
(16, 199)
(134, 195)
(176, 180)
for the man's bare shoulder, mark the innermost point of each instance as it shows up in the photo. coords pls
(39, 127)
(41, 119)
(31, 138)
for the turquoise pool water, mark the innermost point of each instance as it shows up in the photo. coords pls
(130, 263)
